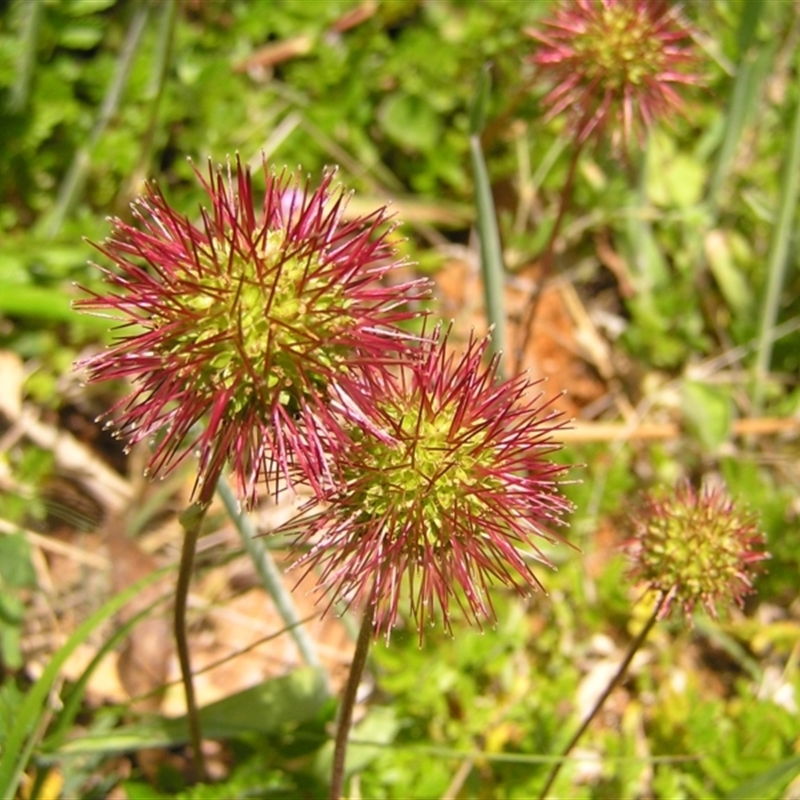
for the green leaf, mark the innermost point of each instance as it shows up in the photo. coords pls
(369, 738)
(11, 699)
(266, 708)
(82, 8)
(492, 265)
(650, 270)
(708, 413)
(674, 179)
(16, 569)
(748, 24)
(10, 650)
(410, 121)
(730, 279)
(81, 37)
(35, 301)
(12, 610)
(766, 784)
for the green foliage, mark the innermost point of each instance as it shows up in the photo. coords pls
(266, 708)
(16, 573)
(748, 737)
(27, 727)
(687, 225)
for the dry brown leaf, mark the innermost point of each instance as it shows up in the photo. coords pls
(143, 664)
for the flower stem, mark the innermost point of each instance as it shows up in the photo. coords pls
(349, 698)
(612, 684)
(191, 522)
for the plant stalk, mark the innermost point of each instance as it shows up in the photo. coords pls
(633, 648)
(191, 522)
(345, 720)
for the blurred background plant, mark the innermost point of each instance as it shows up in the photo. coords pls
(668, 313)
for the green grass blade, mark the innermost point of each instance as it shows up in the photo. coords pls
(158, 86)
(480, 102)
(38, 302)
(766, 784)
(492, 268)
(751, 69)
(778, 260)
(270, 576)
(29, 34)
(73, 700)
(51, 305)
(73, 181)
(21, 739)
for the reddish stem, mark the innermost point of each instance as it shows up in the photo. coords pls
(345, 721)
(191, 521)
(612, 684)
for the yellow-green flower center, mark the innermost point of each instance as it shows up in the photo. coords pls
(620, 48)
(692, 550)
(261, 317)
(428, 472)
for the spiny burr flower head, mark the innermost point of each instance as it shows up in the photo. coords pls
(614, 64)
(446, 488)
(696, 548)
(240, 321)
